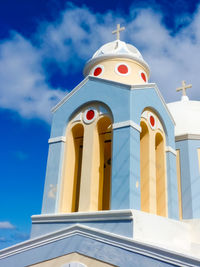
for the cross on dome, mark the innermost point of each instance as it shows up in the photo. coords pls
(118, 30)
(183, 88)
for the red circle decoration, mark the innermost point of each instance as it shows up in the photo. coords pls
(152, 121)
(90, 114)
(143, 76)
(97, 71)
(123, 69)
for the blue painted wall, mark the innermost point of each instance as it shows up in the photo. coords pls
(190, 178)
(120, 227)
(125, 104)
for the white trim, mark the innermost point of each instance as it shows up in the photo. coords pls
(73, 264)
(144, 114)
(77, 117)
(127, 123)
(84, 216)
(57, 139)
(105, 237)
(170, 149)
(65, 98)
(187, 137)
(85, 115)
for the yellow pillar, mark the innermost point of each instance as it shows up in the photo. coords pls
(152, 174)
(144, 167)
(89, 188)
(71, 169)
(160, 176)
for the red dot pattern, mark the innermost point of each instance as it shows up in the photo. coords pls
(123, 69)
(152, 121)
(143, 76)
(90, 114)
(97, 71)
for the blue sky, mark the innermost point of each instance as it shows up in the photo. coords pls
(43, 48)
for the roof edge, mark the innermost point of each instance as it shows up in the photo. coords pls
(105, 237)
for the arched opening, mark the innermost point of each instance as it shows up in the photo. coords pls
(160, 175)
(104, 127)
(86, 180)
(144, 167)
(72, 169)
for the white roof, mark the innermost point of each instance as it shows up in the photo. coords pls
(186, 114)
(115, 49)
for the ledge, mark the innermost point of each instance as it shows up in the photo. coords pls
(187, 137)
(111, 215)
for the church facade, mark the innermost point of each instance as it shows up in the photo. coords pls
(122, 184)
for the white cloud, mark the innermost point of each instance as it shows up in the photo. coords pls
(75, 36)
(6, 225)
(172, 57)
(22, 80)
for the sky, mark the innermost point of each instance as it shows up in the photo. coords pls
(43, 48)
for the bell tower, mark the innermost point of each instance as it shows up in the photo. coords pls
(112, 143)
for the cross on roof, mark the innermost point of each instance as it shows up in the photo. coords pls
(118, 30)
(184, 87)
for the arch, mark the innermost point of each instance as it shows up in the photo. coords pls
(87, 160)
(144, 166)
(158, 115)
(72, 168)
(100, 105)
(160, 175)
(153, 164)
(104, 127)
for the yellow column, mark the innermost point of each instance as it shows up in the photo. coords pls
(160, 175)
(144, 167)
(69, 196)
(89, 188)
(152, 174)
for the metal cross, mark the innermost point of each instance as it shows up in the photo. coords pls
(118, 30)
(184, 87)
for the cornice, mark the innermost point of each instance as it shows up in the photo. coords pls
(106, 238)
(84, 216)
(187, 137)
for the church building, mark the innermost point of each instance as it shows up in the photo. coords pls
(122, 183)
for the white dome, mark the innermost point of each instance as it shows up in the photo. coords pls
(186, 114)
(115, 49)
